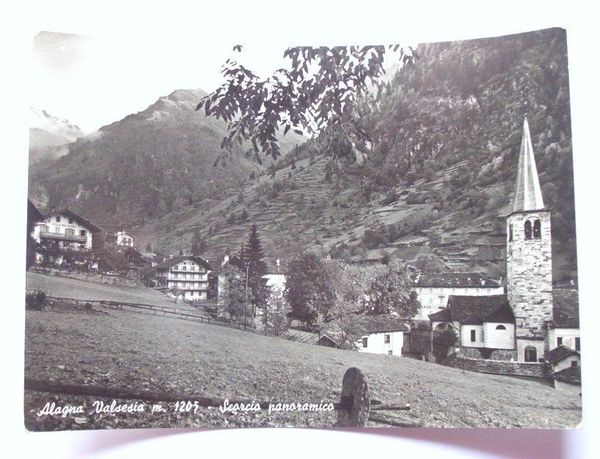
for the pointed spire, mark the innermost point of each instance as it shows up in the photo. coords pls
(528, 195)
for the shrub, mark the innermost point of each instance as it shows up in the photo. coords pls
(35, 299)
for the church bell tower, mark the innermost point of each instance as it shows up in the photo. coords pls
(529, 258)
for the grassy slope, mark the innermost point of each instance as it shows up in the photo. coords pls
(146, 352)
(82, 290)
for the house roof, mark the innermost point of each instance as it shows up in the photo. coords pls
(570, 375)
(454, 280)
(176, 260)
(560, 353)
(475, 310)
(76, 217)
(566, 308)
(325, 337)
(380, 323)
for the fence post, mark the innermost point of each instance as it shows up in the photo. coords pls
(354, 401)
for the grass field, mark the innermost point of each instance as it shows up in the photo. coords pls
(145, 352)
(84, 290)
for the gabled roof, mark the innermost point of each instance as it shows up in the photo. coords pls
(176, 260)
(560, 353)
(78, 218)
(475, 310)
(565, 308)
(528, 194)
(454, 280)
(380, 323)
(571, 375)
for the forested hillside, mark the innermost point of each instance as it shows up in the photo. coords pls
(438, 180)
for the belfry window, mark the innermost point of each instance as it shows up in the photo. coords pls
(527, 229)
(510, 235)
(537, 229)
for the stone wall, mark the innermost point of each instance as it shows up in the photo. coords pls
(529, 272)
(499, 367)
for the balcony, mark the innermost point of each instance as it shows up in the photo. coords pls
(62, 236)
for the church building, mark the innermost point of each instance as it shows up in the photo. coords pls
(529, 259)
(530, 319)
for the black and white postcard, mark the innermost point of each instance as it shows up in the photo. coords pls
(361, 236)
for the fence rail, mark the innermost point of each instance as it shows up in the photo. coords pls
(162, 311)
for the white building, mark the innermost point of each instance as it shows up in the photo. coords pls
(486, 323)
(433, 290)
(125, 239)
(381, 334)
(184, 276)
(564, 328)
(67, 229)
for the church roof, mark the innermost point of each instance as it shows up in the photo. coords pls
(454, 280)
(528, 194)
(565, 303)
(475, 310)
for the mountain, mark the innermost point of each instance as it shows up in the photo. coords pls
(440, 178)
(49, 136)
(145, 166)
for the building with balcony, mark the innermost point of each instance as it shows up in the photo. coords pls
(186, 277)
(67, 229)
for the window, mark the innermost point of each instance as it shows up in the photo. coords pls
(365, 342)
(500, 327)
(386, 339)
(573, 363)
(559, 341)
(577, 344)
(70, 221)
(390, 352)
(527, 229)
(83, 232)
(473, 335)
(530, 354)
(537, 229)
(57, 219)
(510, 233)
(70, 232)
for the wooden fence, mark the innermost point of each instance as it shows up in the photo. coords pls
(163, 311)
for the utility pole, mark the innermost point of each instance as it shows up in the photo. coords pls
(246, 303)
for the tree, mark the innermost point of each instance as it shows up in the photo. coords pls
(257, 269)
(308, 288)
(442, 341)
(276, 319)
(232, 299)
(199, 245)
(390, 290)
(319, 91)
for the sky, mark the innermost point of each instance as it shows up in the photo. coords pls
(93, 81)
